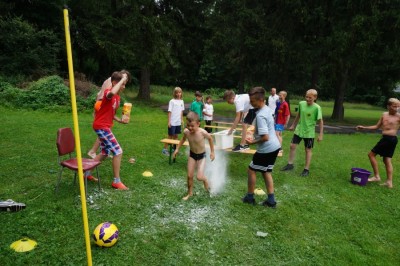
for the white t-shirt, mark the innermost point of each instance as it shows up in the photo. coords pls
(209, 109)
(242, 103)
(176, 107)
(272, 102)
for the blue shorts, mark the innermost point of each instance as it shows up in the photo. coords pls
(279, 127)
(108, 143)
(174, 130)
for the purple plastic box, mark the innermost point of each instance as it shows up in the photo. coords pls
(359, 176)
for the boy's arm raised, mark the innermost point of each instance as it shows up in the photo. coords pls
(117, 86)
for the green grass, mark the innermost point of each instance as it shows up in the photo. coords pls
(320, 220)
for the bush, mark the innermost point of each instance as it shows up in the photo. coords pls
(9, 95)
(48, 93)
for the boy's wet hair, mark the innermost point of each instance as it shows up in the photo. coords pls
(392, 101)
(192, 117)
(198, 94)
(176, 90)
(208, 97)
(257, 92)
(228, 94)
(116, 76)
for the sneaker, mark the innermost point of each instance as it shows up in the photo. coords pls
(119, 186)
(240, 148)
(266, 203)
(165, 152)
(287, 167)
(92, 178)
(305, 172)
(247, 199)
(11, 206)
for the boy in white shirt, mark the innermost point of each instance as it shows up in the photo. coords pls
(244, 114)
(175, 117)
(208, 112)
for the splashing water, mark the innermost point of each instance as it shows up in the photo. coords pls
(215, 171)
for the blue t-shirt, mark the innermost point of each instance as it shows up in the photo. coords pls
(264, 124)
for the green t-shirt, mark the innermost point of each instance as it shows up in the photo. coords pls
(197, 107)
(309, 115)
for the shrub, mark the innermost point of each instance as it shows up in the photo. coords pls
(48, 93)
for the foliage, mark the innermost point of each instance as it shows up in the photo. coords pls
(345, 49)
(48, 93)
(26, 50)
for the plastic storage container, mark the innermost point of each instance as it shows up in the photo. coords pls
(223, 140)
(359, 176)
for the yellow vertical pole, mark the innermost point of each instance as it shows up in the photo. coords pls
(77, 137)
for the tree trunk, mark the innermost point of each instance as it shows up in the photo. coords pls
(241, 81)
(338, 108)
(144, 89)
(314, 76)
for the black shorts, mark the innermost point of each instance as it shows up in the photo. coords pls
(197, 156)
(385, 146)
(308, 142)
(263, 162)
(251, 114)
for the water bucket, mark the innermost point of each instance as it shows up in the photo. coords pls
(359, 176)
(223, 140)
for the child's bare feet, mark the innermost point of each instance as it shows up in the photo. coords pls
(374, 179)
(387, 184)
(187, 196)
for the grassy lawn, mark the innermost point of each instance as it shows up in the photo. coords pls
(320, 220)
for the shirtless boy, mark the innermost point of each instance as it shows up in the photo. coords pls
(389, 124)
(196, 137)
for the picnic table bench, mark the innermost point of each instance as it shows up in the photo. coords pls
(172, 142)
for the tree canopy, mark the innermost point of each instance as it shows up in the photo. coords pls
(346, 49)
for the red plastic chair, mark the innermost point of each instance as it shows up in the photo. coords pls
(66, 146)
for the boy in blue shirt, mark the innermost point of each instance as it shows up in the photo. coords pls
(267, 148)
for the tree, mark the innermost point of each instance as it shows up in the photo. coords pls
(356, 31)
(26, 50)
